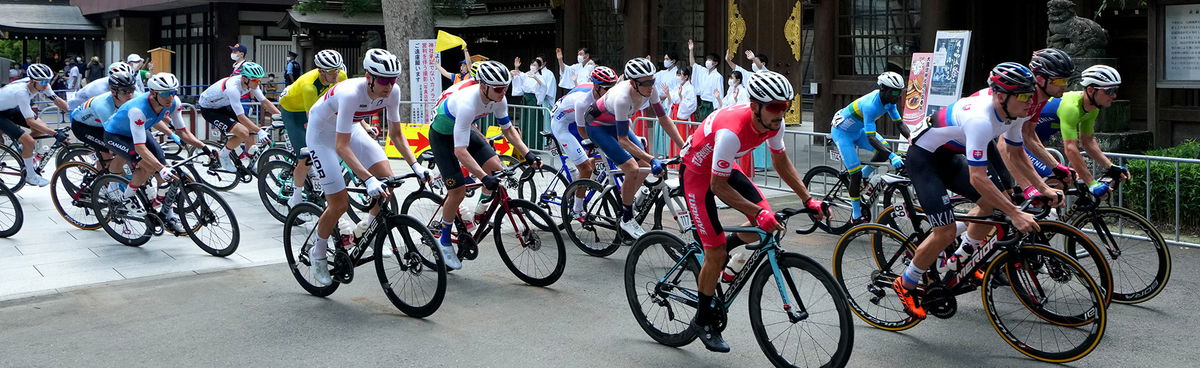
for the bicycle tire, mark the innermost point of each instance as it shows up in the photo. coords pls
(410, 263)
(1069, 240)
(829, 292)
(12, 169)
(12, 216)
(275, 182)
(299, 227)
(77, 210)
(598, 235)
(60, 156)
(426, 207)
(860, 286)
(551, 180)
(1011, 262)
(274, 154)
(530, 225)
(676, 329)
(207, 210)
(82, 154)
(207, 174)
(109, 213)
(826, 183)
(1125, 218)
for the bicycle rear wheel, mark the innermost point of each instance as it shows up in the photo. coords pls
(825, 183)
(299, 231)
(1069, 240)
(866, 260)
(1050, 297)
(1141, 264)
(597, 232)
(82, 154)
(71, 192)
(272, 155)
(108, 202)
(12, 169)
(535, 252)
(813, 323)
(411, 286)
(542, 186)
(210, 172)
(209, 221)
(660, 287)
(12, 217)
(275, 188)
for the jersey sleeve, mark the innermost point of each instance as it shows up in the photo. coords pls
(894, 113)
(345, 111)
(500, 112)
(463, 118)
(775, 143)
(137, 125)
(621, 109)
(393, 108)
(232, 96)
(978, 136)
(1087, 123)
(177, 115)
(258, 94)
(1014, 136)
(725, 148)
(27, 109)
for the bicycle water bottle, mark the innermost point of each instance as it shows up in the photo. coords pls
(736, 263)
(947, 264)
(468, 216)
(346, 232)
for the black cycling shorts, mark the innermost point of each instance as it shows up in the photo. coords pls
(92, 136)
(442, 146)
(222, 119)
(121, 145)
(11, 122)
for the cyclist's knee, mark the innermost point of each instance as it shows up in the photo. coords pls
(26, 140)
(716, 254)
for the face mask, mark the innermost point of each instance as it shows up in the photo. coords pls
(709, 64)
(732, 82)
(289, 58)
(579, 58)
(668, 64)
(233, 56)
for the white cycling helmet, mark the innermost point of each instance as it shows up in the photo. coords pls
(638, 68)
(767, 86)
(1100, 76)
(118, 67)
(328, 59)
(163, 82)
(890, 80)
(381, 63)
(493, 73)
(39, 72)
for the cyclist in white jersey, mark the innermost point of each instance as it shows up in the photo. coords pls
(955, 153)
(572, 108)
(456, 145)
(608, 126)
(16, 111)
(221, 106)
(333, 134)
(99, 86)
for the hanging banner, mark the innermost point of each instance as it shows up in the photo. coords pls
(916, 96)
(949, 59)
(424, 79)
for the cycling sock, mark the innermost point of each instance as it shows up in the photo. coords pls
(446, 227)
(867, 170)
(626, 212)
(319, 249)
(913, 276)
(732, 240)
(967, 246)
(855, 207)
(704, 309)
(130, 190)
(578, 205)
(29, 168)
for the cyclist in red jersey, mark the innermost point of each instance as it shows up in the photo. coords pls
(709, 171)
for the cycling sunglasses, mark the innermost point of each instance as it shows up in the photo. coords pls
(1111, 91)
(1059, 81)
(253, 80)
(162, 94)
(500, 89)
(43, 82)
(645, 83)
(124, 91)
(776, 107)
(329, 70)
(894, 92)
(1023, 97)
(385, 80)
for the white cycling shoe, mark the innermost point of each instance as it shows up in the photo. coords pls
(320, 272)
(632, 228)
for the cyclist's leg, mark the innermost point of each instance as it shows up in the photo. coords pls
(569, 138)
(222, 120)
(847, 145)
(933, 173)
(370, 155)
(329, 175)
(485, 155)
(294, 123)
(123, 146)
(442, 146)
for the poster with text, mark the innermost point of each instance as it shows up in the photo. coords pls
(1181, 42)
(425, 81)
(949, 60)
(916, 96)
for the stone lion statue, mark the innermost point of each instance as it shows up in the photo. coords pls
(1078, 36)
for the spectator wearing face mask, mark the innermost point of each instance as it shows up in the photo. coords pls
(758, 62)
(95, 70)
(292, 70)
(575, 74)
(682, 98)
(237, 53)
(710, 86)
(737, 93)
(667, 79)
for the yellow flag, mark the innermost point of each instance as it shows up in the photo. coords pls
(446, 41)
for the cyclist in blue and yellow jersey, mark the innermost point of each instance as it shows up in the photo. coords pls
(853, 127)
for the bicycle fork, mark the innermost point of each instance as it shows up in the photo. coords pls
(800, 313)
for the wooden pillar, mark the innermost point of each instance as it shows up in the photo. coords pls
(935, 16)
(637, 31)
(1153, 45)
(824, 59)
(570, 31)
(225, 33)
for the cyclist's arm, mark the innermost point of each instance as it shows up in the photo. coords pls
(1034, 144)
(394, 130)
(622, 111)
(510, 131)
(664, 119)
(721, 189)
(137, 131)
(235, 103)
(189, 138)
(725, 147)
(879, 146)
(1071, 151)
(162, 127)
(978, 137)
(62, 104)
(1092, 147)
(462, 139)
(898, 120)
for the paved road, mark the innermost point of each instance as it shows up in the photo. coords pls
(259, 316)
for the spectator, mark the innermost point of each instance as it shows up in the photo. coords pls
(667, 76)
(13, 74)
(708, 82)
(578, 73)
(292, 71)
(95, 70)
(464, 69)
(237, 52)
(75, 74)
(758, 63)
(59, 84)
(271, 87)
(737, 90)
(682, 97)
(135, 64)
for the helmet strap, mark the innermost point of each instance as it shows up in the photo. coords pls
(633, 83)
(1091, 98)
(1004, 106)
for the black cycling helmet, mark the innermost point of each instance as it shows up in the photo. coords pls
(1052, 63)
(121, 80)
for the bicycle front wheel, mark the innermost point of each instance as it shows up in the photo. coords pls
(299, 233)
(825, 183)
(411, 286)
(208, 219)
(1052, 310)
(807, 321)
(11, 215)
(108, 203)
(275, 188)
(1069, 240)
(71, 192)
(1136, 252)
(595, 230)
(210, 172)
(543, 186)
(535, 252)
(660, 285)
(12, 169)
(866, 260)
